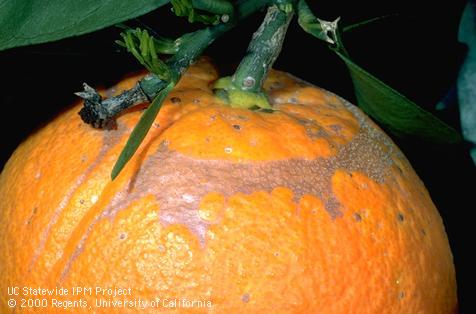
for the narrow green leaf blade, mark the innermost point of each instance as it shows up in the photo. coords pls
(140, 131)
(366, 22)
(38, 21)
(394, 111)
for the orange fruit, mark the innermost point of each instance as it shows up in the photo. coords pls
(307, 209)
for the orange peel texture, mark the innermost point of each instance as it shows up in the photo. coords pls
(309, 209)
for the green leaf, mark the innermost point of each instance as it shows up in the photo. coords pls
(144, 48)
(214, 6)
(324, 30)
(26, 22)
(186, 8)
(366, 22)
(393, 110)
(140, 131)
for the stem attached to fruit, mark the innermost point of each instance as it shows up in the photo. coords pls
(100, 113)
(247, 81)
(244, 89)
(263, 50)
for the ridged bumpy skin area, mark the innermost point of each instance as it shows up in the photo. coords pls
(307, 209)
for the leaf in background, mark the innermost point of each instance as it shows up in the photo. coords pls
(38, 21)
(467, 76)
(393, 110)
(140, 131)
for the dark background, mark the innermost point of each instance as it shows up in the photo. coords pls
(416, 52)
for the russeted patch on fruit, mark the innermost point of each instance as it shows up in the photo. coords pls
(308, 208)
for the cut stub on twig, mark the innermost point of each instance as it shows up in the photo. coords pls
(101, 113)
(93, 112)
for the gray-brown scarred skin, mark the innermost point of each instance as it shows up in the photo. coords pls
(179, 182)
(352, 214)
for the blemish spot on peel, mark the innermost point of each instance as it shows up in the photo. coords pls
(94, 199)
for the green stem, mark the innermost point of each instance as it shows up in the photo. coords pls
(100, 113)
(214, 6)
(263, 50)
